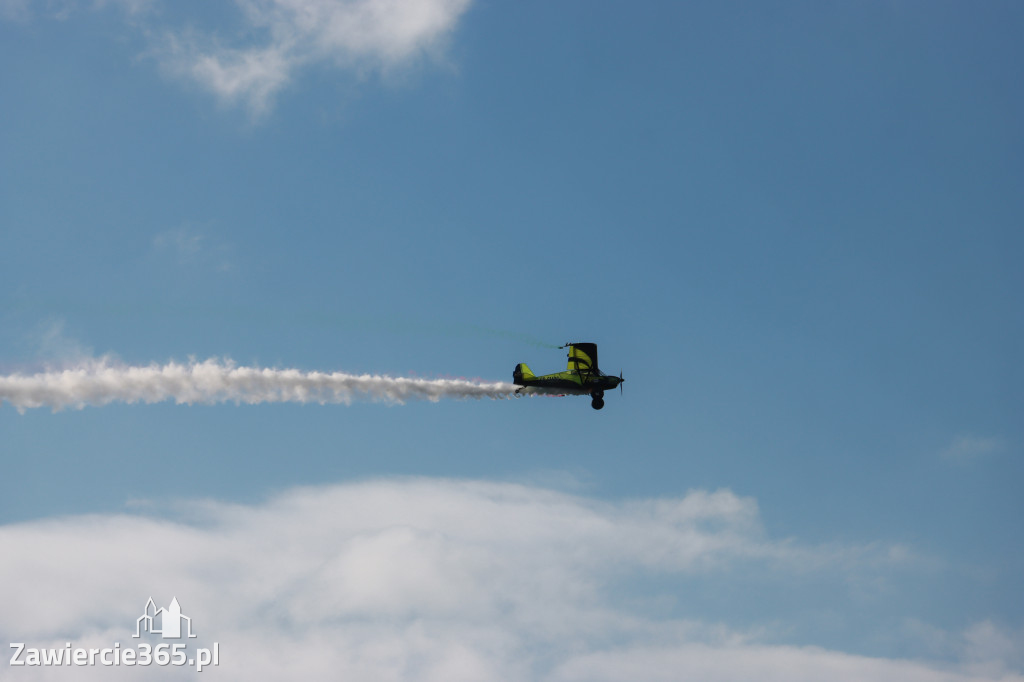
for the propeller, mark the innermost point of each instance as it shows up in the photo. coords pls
(620, 382)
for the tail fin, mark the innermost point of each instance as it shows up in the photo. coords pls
(522, 373)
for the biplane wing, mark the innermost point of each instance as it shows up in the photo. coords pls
(582, 357)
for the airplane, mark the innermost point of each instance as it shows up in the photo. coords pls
(581, 378)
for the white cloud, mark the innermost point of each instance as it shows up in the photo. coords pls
(426, 579)
(252, 76)
(284, 36)
(276, 39)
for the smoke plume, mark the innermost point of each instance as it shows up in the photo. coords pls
(215, 381)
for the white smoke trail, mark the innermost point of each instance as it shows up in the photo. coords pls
(100, 382)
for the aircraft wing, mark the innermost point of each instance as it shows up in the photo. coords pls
(583, 357)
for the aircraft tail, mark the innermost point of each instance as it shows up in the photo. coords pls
(521, 373)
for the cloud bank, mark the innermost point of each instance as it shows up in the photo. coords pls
(99, 382)
(428, 579)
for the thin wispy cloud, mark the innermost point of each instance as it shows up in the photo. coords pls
(249, 63)
(54, 345)
(189, 246)
(183, 242)
(968, 448)
(14, 10)
(132, 7)
(285, 36)
(26, 10)
(431, 579)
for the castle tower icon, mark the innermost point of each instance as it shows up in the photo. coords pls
(163, 622)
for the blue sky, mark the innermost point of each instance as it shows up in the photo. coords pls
(794, 226)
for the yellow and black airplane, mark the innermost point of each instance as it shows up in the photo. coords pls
(581, 378)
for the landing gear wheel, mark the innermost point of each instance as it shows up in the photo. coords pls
(597, 403)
